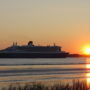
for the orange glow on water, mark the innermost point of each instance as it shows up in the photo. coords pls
(88, 74)
(88, 78)
(88, 66)
(87, 69)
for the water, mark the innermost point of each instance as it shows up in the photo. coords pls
(41, 69)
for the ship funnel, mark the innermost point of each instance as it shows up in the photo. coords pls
(30, 43)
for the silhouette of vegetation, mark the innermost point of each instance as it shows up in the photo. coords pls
(76, 85)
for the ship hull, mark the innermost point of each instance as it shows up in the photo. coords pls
(33, 55)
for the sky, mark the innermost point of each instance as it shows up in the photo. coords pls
(64, 22)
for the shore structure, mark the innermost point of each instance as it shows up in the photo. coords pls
(32, 51)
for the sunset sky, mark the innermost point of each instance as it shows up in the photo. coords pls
(64, 22)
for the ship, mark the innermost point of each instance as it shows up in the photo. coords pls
(32, 51)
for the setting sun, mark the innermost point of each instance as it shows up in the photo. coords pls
(86, 50)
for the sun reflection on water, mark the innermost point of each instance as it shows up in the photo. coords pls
(88, 78)
(88, 66)
(88, 70)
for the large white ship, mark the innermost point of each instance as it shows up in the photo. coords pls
(32, 51)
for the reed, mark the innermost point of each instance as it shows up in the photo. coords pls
(76, 85)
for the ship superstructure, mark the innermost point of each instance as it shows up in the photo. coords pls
(31, 50)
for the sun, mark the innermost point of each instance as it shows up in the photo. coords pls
(86, 50)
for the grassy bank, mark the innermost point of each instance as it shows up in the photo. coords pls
(76, 85)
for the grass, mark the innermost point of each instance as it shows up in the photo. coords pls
(76, 85)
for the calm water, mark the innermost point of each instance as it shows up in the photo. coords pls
(28, 70)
